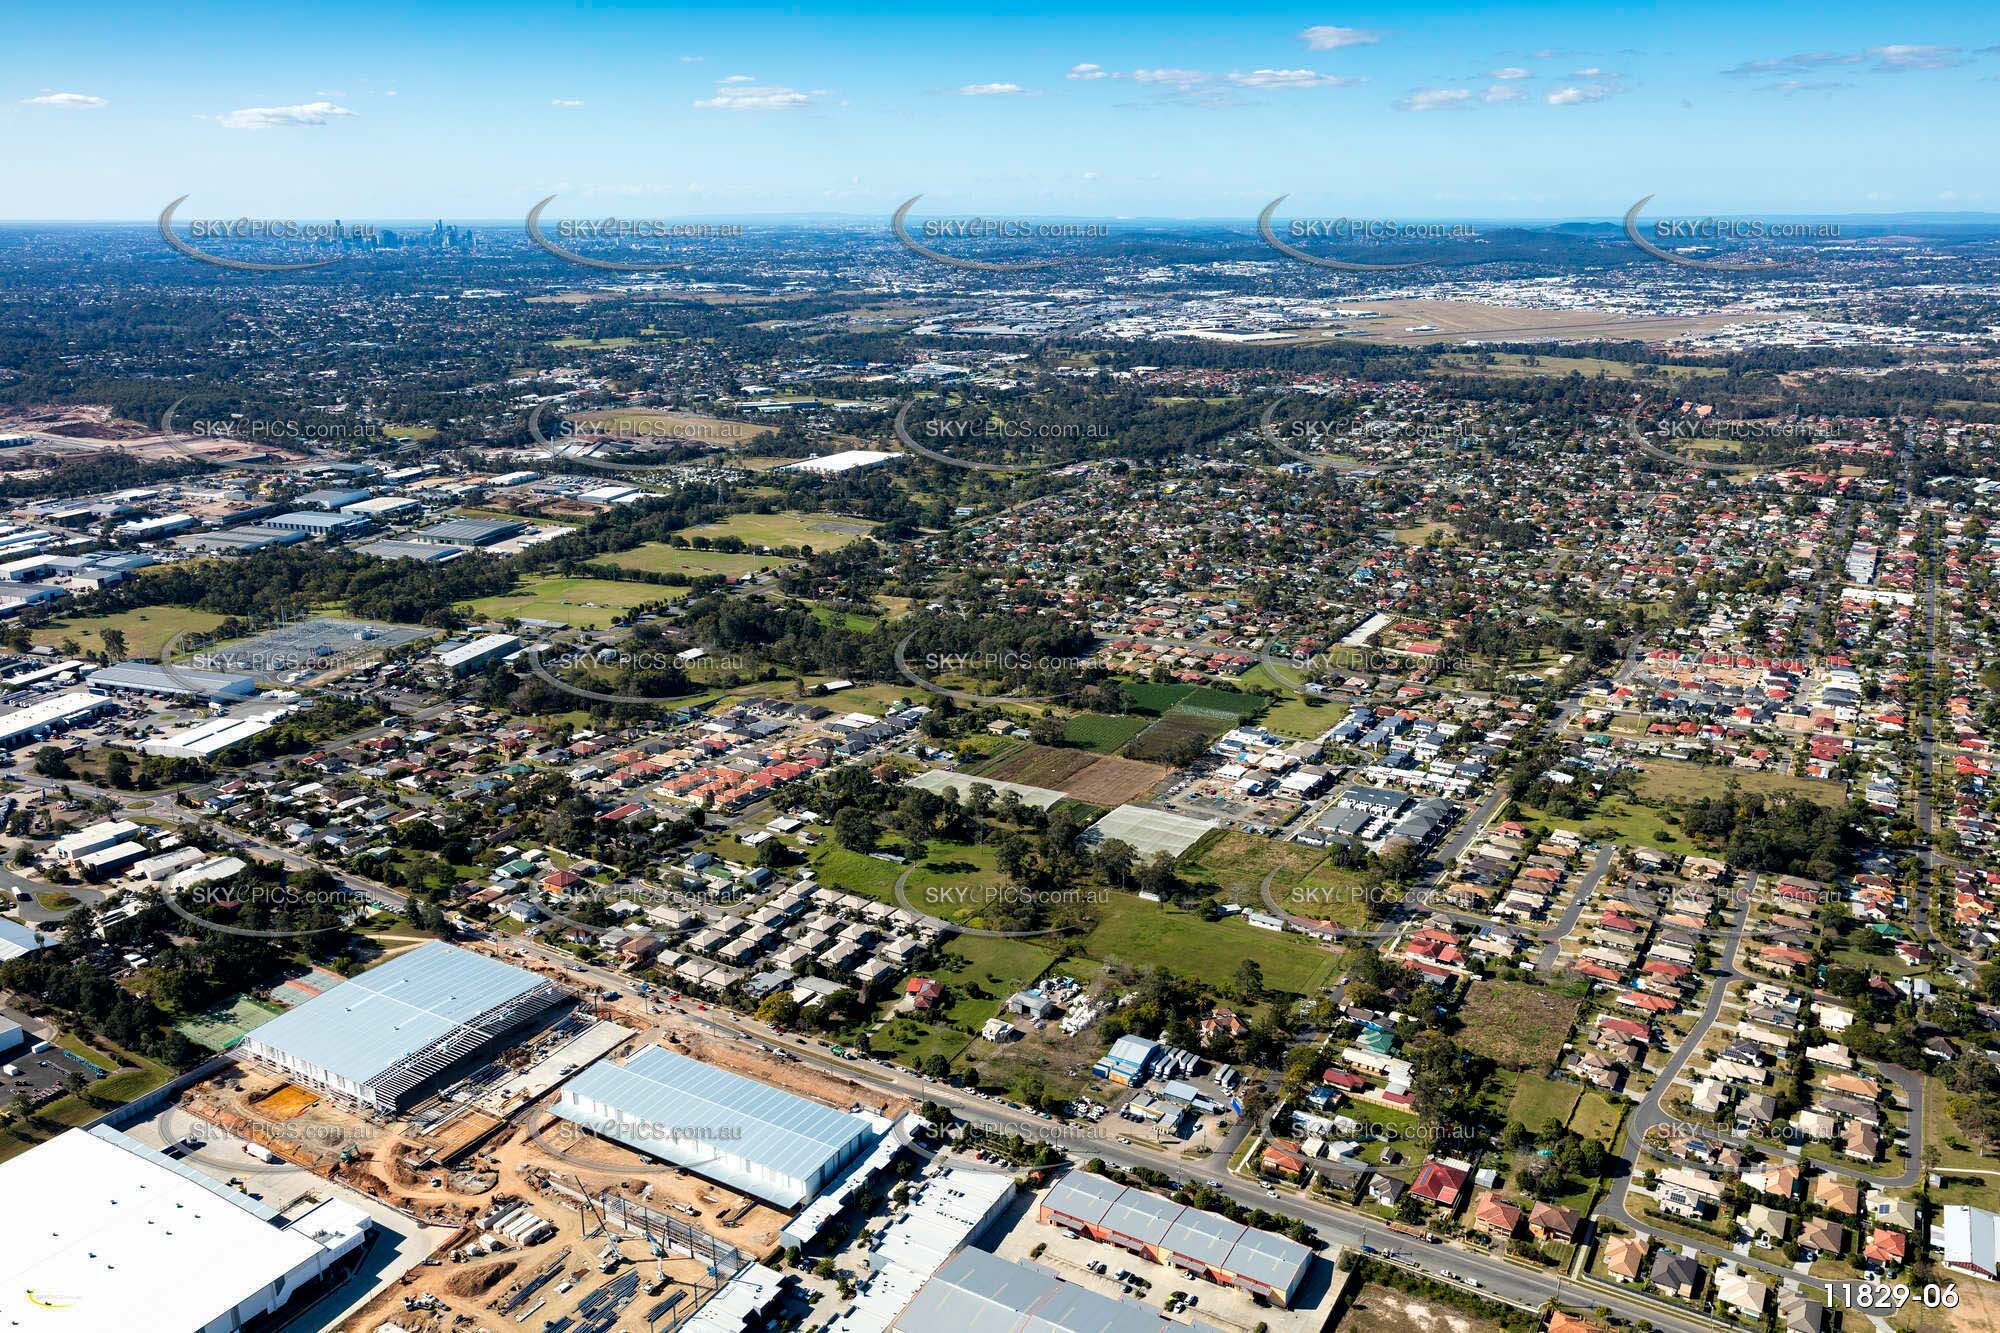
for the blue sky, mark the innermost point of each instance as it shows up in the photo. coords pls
(1102, 110)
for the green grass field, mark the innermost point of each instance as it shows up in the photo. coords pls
(1537, 1101)
(660, 558)
(1143, 934)
(146, 630)
(585, 603)
(1101, 732)
(1148, 697)
(1596, 1117)
(1673, 783)
(979, 973)
(822, 532)
(1302, 718)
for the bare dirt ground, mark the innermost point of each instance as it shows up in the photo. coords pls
(1386, 1310)
(1114, 781)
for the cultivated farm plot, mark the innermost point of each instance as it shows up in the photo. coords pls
(1517, 1026)
(1159, 740)
(1041, 766)
(1114, 781)
(1102, 732)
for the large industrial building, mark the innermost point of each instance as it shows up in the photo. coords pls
(463, 659)
(47, 717)
(977, 1292)
(760, 1140)
(396, 1031)
(122, 1237)
(152, 678)
(1199, 1243)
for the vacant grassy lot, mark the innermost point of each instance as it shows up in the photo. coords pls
(1675, 784)
(660, 558)
(585, 603)
(1539, 1101)
(1230, 857)
(1101, 731)
(1306, 719)
(822, 532)
(1596, 1117)
(146, 630)
(1142, 934)
(1517, 1026)
(979, 973)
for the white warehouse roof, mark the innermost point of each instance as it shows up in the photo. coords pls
(752, 1137)
(381, 1034)
(122, 1237)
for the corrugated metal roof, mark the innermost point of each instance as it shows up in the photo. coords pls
(1083, 1196)
(769, 1127)
(1273, 1260)
(1144, 1217)
(977, 1292)
(376, 1021)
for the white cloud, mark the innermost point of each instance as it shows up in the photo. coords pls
(993, 90)
(735, 94)
(1324, 37)
(65, 99)
(1435, 99)
(1291, 78)
(1087, 72)
(565, 102)
(1593, 72)
(1512, 72)
(692, 60)
(1895, 59)
(737, 78)
(1579, 94)
(282, 117)
(1500, 92)
(1181, 79)
(1900, 58)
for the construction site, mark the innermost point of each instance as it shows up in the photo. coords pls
(548, 1221)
